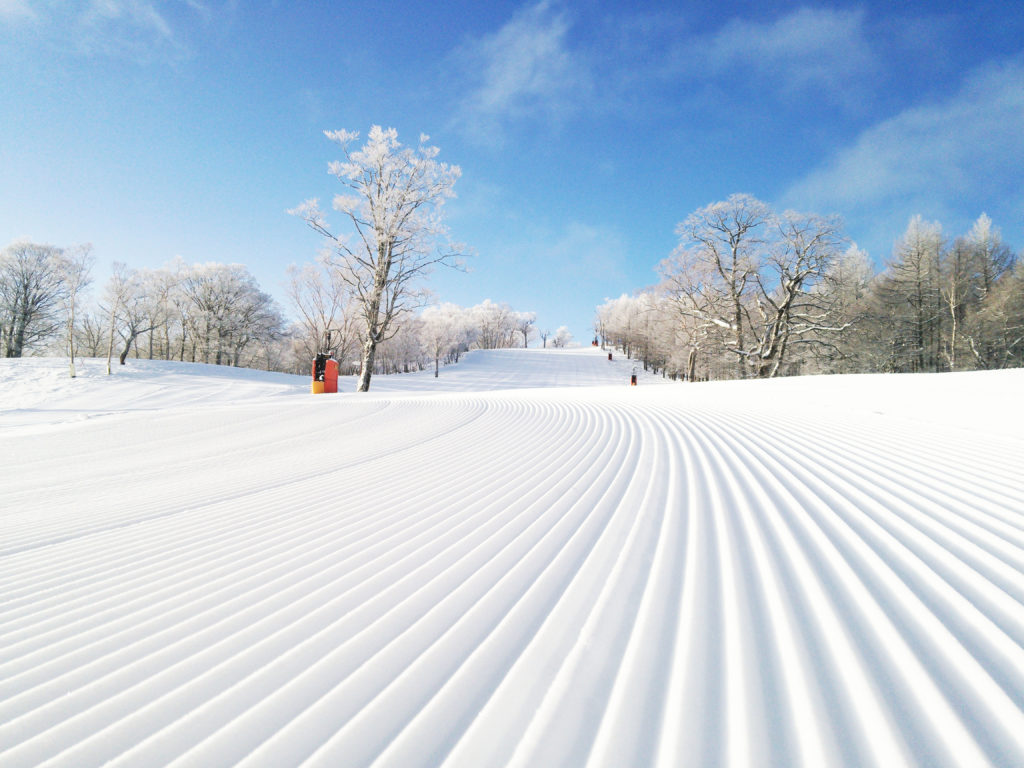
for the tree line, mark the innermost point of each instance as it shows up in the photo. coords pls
(210, 313)
(747, 293)
(751, 293)
(218, 314)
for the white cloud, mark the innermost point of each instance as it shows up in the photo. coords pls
(934, 159)
(139, 30)
(811, 48)
(15, 10)
(132, 27)
(530, 68)
(525, 69)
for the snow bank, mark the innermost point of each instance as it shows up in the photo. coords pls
(523, 562)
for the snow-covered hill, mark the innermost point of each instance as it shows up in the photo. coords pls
(522, 562)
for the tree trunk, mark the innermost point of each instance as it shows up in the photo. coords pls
(17, 345)
(71, 338)
(366, 371)
(374, 329)
(952, 335)
(741, 368)
(110, 341)
(127, 348)
(691, 365)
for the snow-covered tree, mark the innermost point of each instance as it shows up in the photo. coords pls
(992, 258)
(495, 324)
(229, 312)
(790, 311)
(117, 293)
(394, 205)
(562, 338)
(129, 294)
(31, 293)
(752, 279)
(846, 283)
(716, 265)
(74, 269)
(956, 292)
(402, 351)
(323, 302)
(89, 333)
(526, 325)
(990, 262)
(161, 306)
(999, 323)
(442, 328)
(908, 297)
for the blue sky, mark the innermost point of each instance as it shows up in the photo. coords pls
(585, 132)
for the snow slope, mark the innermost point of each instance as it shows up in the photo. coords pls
(524, 562)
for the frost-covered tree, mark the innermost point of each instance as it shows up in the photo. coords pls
(620, 322)
(716, 265)
(956, 295)
(788, 309)
(525, 324)
(74, 269)
(909, 301)
(394, 205)
(647, 328)
(783, 295)
(323, 303)
(1000, 322)
(846, 283)
(229, 312)
(31, 295)
(89, 334)
(562, 338)
(495, 324)
(442, 329)
(752, 278)
(117, 292)
(130, 311)
(990, 260)
(162, 289)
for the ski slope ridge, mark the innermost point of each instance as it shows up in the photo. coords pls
(524, 562)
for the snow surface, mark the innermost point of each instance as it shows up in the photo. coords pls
(524, 562)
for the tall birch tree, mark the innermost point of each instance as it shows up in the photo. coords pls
(74, 268)
(394, 206)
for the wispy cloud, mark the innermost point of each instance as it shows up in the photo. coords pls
(532, 68)
(935, 159)
(524, 70)
(15, 10)
(139, 30)
(126, 27)
(819, 49)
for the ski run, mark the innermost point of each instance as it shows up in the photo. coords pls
(524, 562)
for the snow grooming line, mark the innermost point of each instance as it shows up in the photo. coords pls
(694, 577)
